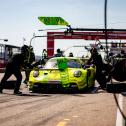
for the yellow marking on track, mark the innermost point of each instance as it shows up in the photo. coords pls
(63, 123)
(67, 119)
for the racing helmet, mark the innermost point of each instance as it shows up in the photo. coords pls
(24, 48)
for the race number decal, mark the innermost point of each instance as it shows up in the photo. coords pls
(62, 65)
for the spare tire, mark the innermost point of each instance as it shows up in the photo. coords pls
(119, 69)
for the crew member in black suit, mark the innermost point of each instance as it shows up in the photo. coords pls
(14, 66)
(30, 58)
(59, 53)
(96, 59)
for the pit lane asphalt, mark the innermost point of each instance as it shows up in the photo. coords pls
(75, 109)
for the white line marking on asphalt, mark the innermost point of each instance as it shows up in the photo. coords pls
(119, 117)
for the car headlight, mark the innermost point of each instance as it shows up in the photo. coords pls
(77, 73)
(35, 73)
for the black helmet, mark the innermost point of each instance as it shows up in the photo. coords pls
(58, 50)
(70, 54)
(24, 48)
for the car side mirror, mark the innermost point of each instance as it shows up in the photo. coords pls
(86, 66)
(39, 66)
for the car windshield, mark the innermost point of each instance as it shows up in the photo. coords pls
(71, 63)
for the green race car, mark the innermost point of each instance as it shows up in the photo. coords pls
(62, 73)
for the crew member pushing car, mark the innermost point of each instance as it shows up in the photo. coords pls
(14, 65)
(96, 59)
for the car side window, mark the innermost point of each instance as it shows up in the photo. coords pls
(73, 64)
(51, 64)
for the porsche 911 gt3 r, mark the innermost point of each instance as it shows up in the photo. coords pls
(63, 73)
